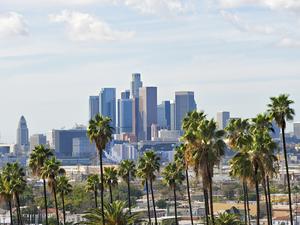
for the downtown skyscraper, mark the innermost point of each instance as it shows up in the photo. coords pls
(184, 103)
(22, 135)
(93, 106)
(107, 104)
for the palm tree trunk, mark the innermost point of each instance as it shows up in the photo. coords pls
(266, 200)
(101, 186)
(270, 200)
(63, 205)
(96, 196)
(175, 205)
(55, 201)
(245, 202)
(45, 200)
(189, 195)
(205, 195)
(148, 201)
(257, 196)
(110, 193)
(129, 197)
(211, 201)
(287, 176)
(153, 202)
(248, 207)
(10, 212)
(19, 209)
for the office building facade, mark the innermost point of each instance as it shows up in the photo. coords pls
(93, 106)
(223, 119)
(107, 104)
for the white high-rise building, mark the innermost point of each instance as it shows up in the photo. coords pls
(297, 130)
(223, 119)
(22, 135)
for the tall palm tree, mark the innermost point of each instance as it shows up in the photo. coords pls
(50, 171)
(6, 196)
(14, 177)
(179, 158)
(37, 158)
(141, 173)
(115, 214)
(64, 188)
(239, 140)
(151, 166)
(92, 184)
(100, 131)
(172, 177)
(127, 172)
(110, 179)
(281, 112)
(206, 146)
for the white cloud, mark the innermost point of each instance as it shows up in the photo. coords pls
(289, 43)
(12, 24)
(160, 6)
(292, 5)
(85, 27)
(243, 26)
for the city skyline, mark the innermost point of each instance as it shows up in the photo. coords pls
(233, 54)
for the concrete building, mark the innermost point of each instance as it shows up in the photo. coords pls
(93, 106)
(154, 132)
(62, 140)
(147, 111)
(184, 103)
(164, 115)
(297, 130)
(5, 148)
(223, 119)
(22, 135)
(82, 147)
(124, 151)
(37, 139)
(169, 135)
(107, 104)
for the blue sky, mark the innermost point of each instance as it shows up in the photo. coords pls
(234, 54)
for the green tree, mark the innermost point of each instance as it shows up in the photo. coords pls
(179, 158)
(115, 214)
(37, 158)
(173, 177)
(280, 110)
(206, 147)
(14, 177)
(50, 171)
(110, 179)
(127, 172)
(93, 184)
(228, 219)
(5, 195)
(100, 132)
(64, 188)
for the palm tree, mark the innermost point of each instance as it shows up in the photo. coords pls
(179, 158)
(110, 179)
(115, 214)
(100, 132)
(239, 140)
(206, 147)
(172, 177)
(50, 171)
(63, 188)
(280, 111)
(14, 177)
(93, 184)
(141, 173)
(127, 172)
(150, 166)
(37, 158)
(6, 196)
(228, 219)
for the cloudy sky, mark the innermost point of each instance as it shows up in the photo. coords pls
(234, 54)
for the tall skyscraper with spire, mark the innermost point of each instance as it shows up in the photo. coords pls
(135, 85)
(22, 135)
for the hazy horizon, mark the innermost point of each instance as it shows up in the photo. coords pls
(234, 54)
